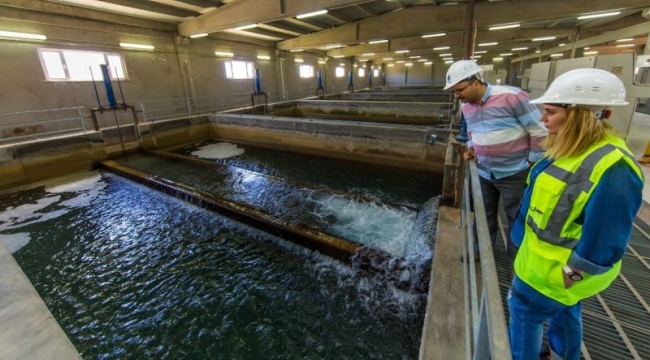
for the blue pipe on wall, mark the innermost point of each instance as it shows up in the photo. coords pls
(350, 79)
(258, 81)
(319, 78)
(108, 85)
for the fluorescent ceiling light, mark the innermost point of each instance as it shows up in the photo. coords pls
(339, 56)
(224, 54)
(342, 64)
(363, 60)
(401, 51)
(476, 57)
(433, 35)
(199, 35)
(590, 52)
(519, 48)
(480, 52)
(400, 62)
(314, 13)
(333, 46)
(299, 60)
(246, 27)
(387, 59)
(408, 64)
(497, 59)
(448, 58)
(544, 38)
(377, 41)
(624, 40)
(296, 50)
(563, 44)
(449, 62)
(592, 16)
(506, 54)
(501, 27)
(443, 55)
(428, 63)
(263, 57)
(368, 54)
(415, 57)
(321, 61)
(441, 48)
(557, 55)
(423, 60)
(137, 46)
(19, 35)
(537, 51)
(626, 45)
(390, 65)
(489, 44)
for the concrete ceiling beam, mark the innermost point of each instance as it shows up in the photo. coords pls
(154, 7)
(245, 12)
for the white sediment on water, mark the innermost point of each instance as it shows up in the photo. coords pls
(221, 150)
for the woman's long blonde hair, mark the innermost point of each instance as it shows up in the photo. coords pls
(580, 130)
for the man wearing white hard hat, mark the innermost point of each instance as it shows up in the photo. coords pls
(576, 214)
(505, 136)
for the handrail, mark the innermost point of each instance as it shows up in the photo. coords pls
(485, 326)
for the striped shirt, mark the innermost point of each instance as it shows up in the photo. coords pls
(505, 131)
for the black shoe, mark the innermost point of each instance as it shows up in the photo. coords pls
(545, 353)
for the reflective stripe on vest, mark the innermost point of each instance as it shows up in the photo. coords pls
(580, 183)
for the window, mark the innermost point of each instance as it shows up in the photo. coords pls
(362, 72)
(306, 71)
(340, 71)
(75, 65)
(239, 70)
(376, 72)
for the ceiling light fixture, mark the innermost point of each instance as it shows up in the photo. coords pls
(377, 41)
(314, 13)
(198, 35)
(625, 45)
(387, 59)
(224, 54)
(333, 46)
(446, 54)
(489, 44)
(433, 35)
(544, 38)
(299, 60)
(590, 52)
(19, 35)
(368, 54)
(401, 51)
(137, 46)
(246, 27)
(441, 48)
(557, 55)
(519, 48)
(624, 40)
(428, 63)
(297, 50)
(497, 59)
(593, 16)
(501, 27)
(506, 54)
(263, 57)
(480, 52)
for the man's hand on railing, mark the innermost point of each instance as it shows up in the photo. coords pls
(469, 154)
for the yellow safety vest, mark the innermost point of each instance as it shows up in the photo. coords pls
(558, 199)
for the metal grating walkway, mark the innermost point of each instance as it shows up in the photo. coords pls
(617, 321)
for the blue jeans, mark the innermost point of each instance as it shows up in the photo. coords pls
(528, 311)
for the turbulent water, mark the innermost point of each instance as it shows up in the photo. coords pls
(132, 273)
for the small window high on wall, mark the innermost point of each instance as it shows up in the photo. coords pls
(306, 71)
(340, 71)
(362, 72)
(75, 65)
(239, 70)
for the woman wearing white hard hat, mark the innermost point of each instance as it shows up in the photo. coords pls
(575, 218)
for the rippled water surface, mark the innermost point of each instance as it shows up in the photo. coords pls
(132, 273)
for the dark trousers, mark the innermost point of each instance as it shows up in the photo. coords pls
(510, 189)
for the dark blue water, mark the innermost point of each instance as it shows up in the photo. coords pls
(131, 273)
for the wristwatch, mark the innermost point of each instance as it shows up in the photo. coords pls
(572, 274)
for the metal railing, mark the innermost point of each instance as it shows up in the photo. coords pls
(40, 124)
(486, 335)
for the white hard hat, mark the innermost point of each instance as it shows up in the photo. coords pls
(585, 87)
(459, 71)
